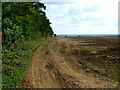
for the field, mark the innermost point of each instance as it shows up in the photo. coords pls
(74, 62)
(0, 60)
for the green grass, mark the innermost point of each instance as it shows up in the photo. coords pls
(89, 49)
(46, 44)
(15, 61)
(115, 74)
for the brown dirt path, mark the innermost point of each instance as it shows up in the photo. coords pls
(53, 67)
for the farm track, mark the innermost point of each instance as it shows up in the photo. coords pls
(54, 65)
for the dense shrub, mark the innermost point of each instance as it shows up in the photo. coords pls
(24, 20)
(25, 26)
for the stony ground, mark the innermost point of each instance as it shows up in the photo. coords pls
(74, 62)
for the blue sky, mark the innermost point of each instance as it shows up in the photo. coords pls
(83, 16)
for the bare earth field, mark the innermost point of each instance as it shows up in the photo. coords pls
(74, 62)
(0, 35)
(0, 59)
(0, 42)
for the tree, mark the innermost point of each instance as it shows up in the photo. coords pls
(24, 20)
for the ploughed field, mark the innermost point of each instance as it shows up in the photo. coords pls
(0, 58)
(0, 43)
(74, 62)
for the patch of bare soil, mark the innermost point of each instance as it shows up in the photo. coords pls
(0, 35)
(0, 40)
(73, 63)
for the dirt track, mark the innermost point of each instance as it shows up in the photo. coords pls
(54, 65)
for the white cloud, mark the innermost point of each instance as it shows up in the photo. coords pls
(93, 8)
(57, 16)
(96, 15)
(52, 6)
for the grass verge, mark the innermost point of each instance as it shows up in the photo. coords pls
(16, 59)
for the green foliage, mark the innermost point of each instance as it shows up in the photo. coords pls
(89, 49)
(15, 61)
(25, 26)
(12, 33)
(24, 20)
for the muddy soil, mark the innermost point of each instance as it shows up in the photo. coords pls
(74, 62)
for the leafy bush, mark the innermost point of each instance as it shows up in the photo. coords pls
(24, 20)
(25, 26)
(16, 60)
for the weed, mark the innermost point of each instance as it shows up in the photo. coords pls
(46, 44)
(89, 49)
(16, 60)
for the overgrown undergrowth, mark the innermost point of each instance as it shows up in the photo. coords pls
(15, 61)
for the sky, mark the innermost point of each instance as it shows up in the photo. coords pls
(83, 16)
